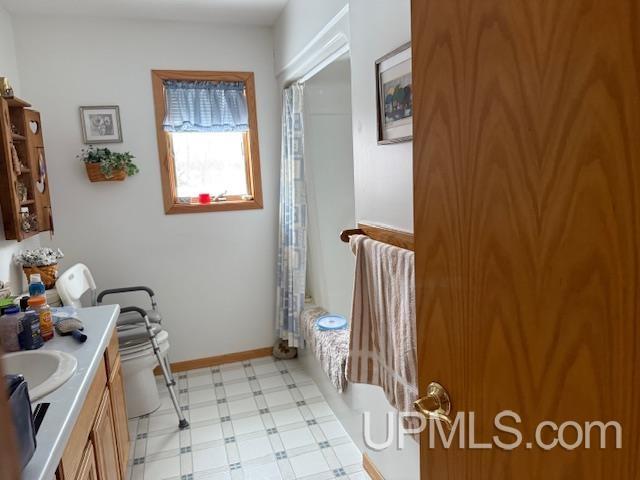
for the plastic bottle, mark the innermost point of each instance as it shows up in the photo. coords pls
(10, 328)
(42, 309)
(30, 338)
(36, 287)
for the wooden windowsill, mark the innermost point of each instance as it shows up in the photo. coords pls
(226, 206)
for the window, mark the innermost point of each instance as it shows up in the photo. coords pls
(207, 140)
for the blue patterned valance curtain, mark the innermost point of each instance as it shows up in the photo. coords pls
(205, 106)
(292, 247)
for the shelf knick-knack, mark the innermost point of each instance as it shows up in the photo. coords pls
(22, 191)
(6, 91)
(17, 164)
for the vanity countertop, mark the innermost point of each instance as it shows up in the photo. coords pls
(67, 401)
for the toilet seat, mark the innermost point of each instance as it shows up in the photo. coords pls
(143, 348)
(132, 335)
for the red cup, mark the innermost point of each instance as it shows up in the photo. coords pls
(204, 198)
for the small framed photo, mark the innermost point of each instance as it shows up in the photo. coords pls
(394, 96)
(101, 124)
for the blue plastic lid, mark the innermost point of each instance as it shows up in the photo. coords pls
(331, 322)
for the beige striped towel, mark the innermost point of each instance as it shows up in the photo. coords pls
(382, 346)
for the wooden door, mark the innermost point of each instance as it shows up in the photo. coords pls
(104, 441)
(88, 470)
(527, 228)
(118, 406)
(9, 468)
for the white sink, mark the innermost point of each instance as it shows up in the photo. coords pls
(44, 370)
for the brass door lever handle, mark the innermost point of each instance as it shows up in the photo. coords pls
(435, 405)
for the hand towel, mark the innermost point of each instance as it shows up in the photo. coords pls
(382, 345)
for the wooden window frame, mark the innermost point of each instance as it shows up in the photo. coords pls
(172, 204)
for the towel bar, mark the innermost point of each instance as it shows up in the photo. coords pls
(398, 238)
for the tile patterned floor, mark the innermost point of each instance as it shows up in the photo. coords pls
(257, 420)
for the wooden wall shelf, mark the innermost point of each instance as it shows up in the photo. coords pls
(18, 138)
(16, 102)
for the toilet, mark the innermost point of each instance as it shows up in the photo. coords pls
(140, 387)
(136, 352)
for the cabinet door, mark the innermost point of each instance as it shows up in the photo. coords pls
(116, 387)
(87, 470)
(104, 441)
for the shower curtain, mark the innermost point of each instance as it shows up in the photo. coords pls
(292, 246)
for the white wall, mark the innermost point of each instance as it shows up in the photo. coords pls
(298, 23)
(383, 174)
(8, 63)
(383, 189)
(329, 178)
(213, 272)
(9, 68)
(383, 181)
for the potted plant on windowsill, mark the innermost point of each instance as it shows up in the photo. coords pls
(103, 165)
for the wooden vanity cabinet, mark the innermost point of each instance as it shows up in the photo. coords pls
(98, 448)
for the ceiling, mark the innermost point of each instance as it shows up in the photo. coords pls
(247, 12)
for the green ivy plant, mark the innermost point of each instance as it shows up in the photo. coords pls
(109, 161)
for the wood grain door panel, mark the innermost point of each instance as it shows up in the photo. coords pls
(527, 225)
(103, 437)
(81, 432)
(9, 463)
(118, 406)
(88, 469)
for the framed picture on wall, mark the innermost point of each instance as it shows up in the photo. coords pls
(394, 96)
(101, 124)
